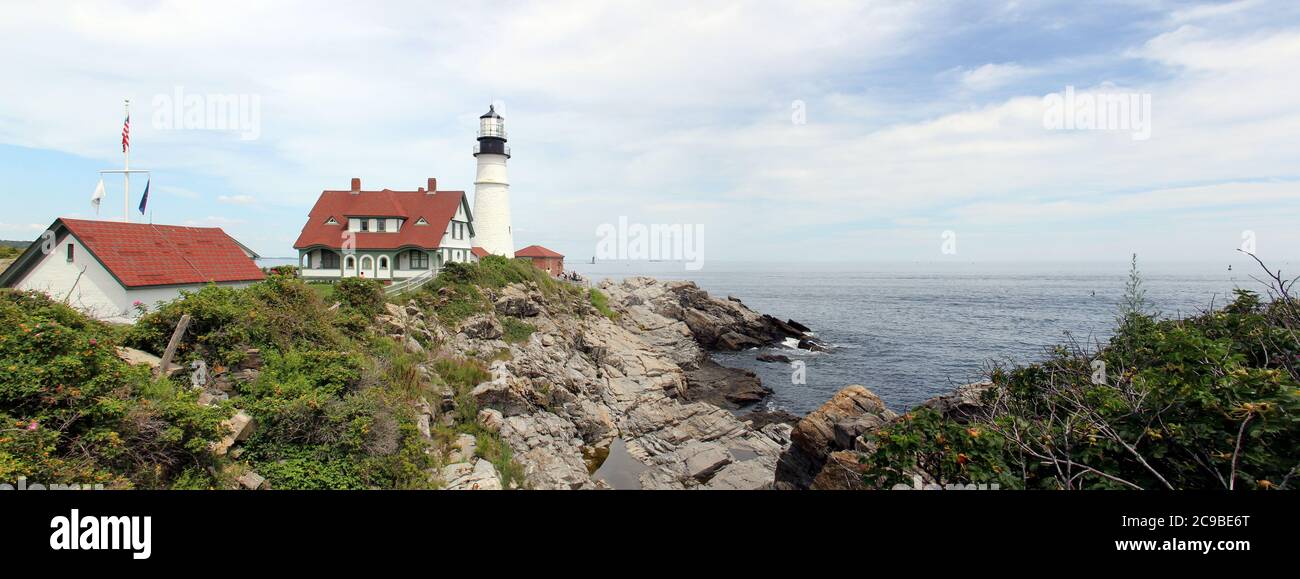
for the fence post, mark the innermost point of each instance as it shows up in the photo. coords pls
(172, 344)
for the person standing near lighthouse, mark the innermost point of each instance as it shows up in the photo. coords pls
(492, 230)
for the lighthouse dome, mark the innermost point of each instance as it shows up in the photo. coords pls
(491, 134)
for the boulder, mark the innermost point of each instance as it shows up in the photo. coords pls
(813, 345)
(136, 357)
(238, 428)
(490, 419)
(477, 476)
(252, 481)
(963, 404)
(759, 419)
(841, 472)
(703, 459)
(725, 387)
(252, 360)
(744, 475)
(773, 358)
(518, 302)
(413, 346)
(209, 398)
(504, 395)
(463, 449)
(834, 426)
(732, 341)
(779, 433)
(481, 327)
(422, 424)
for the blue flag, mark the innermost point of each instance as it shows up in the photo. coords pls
(145, 199)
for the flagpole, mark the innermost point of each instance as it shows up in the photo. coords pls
(126, 173)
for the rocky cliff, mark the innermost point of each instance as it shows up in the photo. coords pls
(641, 375)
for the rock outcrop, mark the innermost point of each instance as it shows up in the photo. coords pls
(714, 324)
(719, 385)
(826, 446)
(963, 404)
(837, 425)
(581, 381)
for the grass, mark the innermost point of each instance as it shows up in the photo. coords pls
(515, 331)
(601, 302)
(462, 375)
(324, 289)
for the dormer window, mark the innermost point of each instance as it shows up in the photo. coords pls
(381, 225)
(421, 221)
(331, 221)
(365, 225)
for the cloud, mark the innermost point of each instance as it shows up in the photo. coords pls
(20, 231)
(918, 114)
(214, 221)
(991, 76)
(237, 199)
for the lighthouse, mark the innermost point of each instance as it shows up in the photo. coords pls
(491, 187)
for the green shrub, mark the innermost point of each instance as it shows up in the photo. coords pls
(365, 296)
(278, 313)
(220, 319)
(495, 271)
(72, 412)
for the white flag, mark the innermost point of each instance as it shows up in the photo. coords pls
(97, 196)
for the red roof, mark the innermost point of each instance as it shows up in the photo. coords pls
(437, 209)
(536, 251)
(479, 252)
(142, 254)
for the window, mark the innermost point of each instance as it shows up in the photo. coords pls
(331, 222)
(350, 262)
(419, 260)
(329, 259)
(383, 261)
(381, 225)
(365, 225)
(69, 253)
(421, 221)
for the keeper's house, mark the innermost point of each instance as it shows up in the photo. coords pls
(384, 235)
(106, 268)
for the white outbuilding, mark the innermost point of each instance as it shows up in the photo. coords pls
(109, 269)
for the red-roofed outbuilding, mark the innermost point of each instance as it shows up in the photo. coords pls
(105, 267)
(544, 259)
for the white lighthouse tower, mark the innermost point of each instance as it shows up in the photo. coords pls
(491, 187)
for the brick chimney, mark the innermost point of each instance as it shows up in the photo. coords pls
(356, 185)
(433, 185)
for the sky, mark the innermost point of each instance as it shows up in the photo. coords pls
(811, 130)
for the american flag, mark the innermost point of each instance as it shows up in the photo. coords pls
(126, 133)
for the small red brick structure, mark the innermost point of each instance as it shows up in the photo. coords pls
(543, 259)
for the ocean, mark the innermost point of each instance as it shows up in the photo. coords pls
(910, 331)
